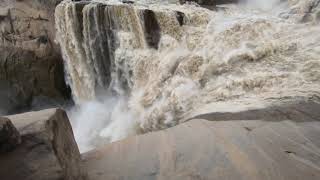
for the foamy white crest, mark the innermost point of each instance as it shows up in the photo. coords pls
(122, 123)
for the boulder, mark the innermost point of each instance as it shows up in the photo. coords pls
(9, 136)
(255, 146)
(47, 151)
(31, 64)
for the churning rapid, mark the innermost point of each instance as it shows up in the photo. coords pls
(135, 68)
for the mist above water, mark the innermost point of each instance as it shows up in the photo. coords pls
(101, 121)
(129, 78)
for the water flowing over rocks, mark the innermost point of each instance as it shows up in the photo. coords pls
(165, 62)
(97, 64)
(31, 65)
(47, 150)
(163, 89)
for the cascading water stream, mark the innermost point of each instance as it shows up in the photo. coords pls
(144, 67)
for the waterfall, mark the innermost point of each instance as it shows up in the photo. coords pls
(90, 34)
(135, 68)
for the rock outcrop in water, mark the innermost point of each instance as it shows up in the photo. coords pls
(31, 66)
(47, 150)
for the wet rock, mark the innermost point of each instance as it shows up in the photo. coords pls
(9, 136)
(24, 77)
(30, 62)
(47, 151)
(250, 145)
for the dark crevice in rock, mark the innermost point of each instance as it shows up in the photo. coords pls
(248, 129)
(127, 1)
(79, 7)
(2, 18)
(152, 29)
(289, 152)
(180, 17)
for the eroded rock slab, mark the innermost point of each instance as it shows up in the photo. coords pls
(256, 148)
(48, 150)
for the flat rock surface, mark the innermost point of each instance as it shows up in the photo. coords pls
(27, 122)
(254, 146)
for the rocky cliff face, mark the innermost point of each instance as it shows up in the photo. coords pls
(30, 61)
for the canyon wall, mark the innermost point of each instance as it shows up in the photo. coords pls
(31, 66)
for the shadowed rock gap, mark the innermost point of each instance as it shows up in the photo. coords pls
(152, 28)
